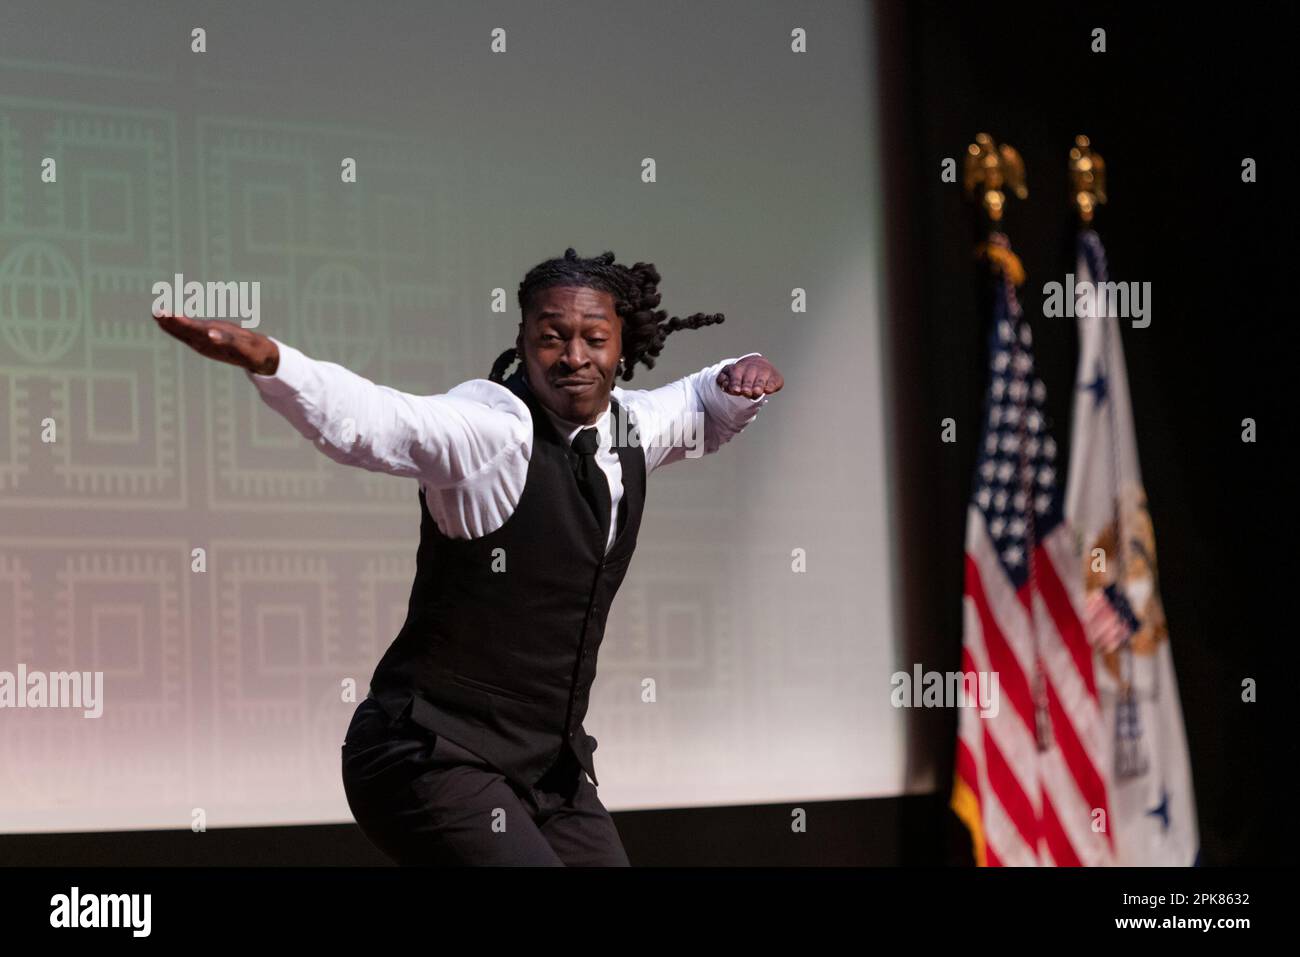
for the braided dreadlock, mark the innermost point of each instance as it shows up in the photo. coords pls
(635, 292)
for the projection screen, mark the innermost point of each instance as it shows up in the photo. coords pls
(161, 527)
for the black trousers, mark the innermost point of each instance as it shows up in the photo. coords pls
(422, 799)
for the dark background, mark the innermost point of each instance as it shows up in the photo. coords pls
(1178, 100)
(1181, 96)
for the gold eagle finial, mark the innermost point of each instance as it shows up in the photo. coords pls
(991, 167)
(1087, 178)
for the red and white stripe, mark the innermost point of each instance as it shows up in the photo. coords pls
(1105, 629)
(1035, 808)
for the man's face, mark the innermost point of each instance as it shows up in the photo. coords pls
(571, 341)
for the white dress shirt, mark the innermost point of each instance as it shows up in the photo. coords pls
(469, 447)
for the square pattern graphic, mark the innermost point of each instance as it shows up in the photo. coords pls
(106, 421)
(345, 276)
(92, 416)
(121, 608)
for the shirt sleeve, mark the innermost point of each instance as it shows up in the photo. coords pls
(690, 417)
(443, 440)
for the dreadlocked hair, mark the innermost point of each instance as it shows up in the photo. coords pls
(636, 294)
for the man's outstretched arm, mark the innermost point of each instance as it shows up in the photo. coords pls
(440, 439)
(701, 412)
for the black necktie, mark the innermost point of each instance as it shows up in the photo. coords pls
(591, 480)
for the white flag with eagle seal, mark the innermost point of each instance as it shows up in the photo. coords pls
(1152, 803)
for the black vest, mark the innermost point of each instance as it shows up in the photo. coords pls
(499, 647)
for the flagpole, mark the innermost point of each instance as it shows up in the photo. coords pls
(1088, 189)
(990, 170)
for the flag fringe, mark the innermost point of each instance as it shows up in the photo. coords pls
(967, 808)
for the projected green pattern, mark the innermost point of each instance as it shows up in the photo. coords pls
(76, 258)
(260, 643)
(344, 272)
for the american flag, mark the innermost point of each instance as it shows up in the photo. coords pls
(1029, 784)
(1108, 618)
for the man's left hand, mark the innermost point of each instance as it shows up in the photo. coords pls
(752, 376)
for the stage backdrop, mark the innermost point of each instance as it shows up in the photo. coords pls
(122, 452)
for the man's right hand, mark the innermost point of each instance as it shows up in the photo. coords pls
(225, 341)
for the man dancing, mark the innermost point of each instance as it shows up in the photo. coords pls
(470, 748)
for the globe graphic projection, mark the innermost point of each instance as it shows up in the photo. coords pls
(340, 315)
(40, 302)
